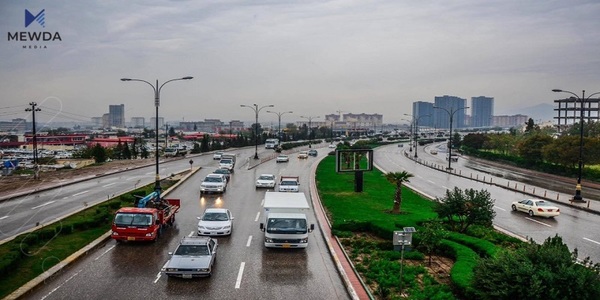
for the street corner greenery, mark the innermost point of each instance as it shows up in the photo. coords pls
(487, 263)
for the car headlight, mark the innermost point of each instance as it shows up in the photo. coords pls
(201, 227)
(227, 227)
(171, 269)
(304, 240)
(150, 234)
(268, 240)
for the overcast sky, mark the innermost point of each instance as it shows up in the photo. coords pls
(311, 57)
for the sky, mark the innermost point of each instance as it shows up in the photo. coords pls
(310, 57)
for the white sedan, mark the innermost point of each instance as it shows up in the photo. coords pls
(282, 158)
(215, 221)
(265, 181)
(534, 207)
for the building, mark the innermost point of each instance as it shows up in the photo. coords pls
(16, 126)
(449, 106)
(116, 115)
(161, 122)
(482, 111)
(569, 111)
(510, 121)
(423, 112)
(138, 122)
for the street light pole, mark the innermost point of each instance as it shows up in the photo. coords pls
(416, 134)
(451, 113)
(256, 109)
(33, 109)
(583, 99)
(309, 118)
(156, 88)
(279, 114)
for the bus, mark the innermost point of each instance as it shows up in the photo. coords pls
(271, 143)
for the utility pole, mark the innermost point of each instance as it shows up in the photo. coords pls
(36, 169)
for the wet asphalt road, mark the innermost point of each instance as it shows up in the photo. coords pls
(244, 268)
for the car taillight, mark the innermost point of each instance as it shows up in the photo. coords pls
(540, 209)
(558, 210)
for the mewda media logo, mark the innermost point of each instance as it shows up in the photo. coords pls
(34, 39)
(40, 18)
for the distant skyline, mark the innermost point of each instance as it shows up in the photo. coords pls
(310, 57)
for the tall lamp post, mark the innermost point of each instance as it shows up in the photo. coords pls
(583, 99)
(309, 118)
(410, 141)
(279, 114)
(157, 88)
(416, 137)
(33, 109)
(451, 113)
(256, 110)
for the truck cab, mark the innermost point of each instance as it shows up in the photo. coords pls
(285, 220)
(289, 184)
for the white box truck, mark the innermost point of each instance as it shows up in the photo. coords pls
(285, 220)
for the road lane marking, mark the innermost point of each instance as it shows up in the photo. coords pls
(536, 221)
(157, 277)
(60, 285)
(104, 252)
(500, 208)
(41, 205)
(591, 241)
(67, 197)
(445, 187)
(238, 282)
(191, 234)
(431, 182)
(2, 218)
(249, 240)
(149, 173)
(257, 216)
(80, 193)
(107, 185)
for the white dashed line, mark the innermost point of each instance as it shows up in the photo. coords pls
(591, 241)
(58, 287)
(80, 193)
(2, 218)
(107, 185)
(104, 252)
(157, 277)
(536, 221)
(42, 205)
(191, 233)
(257, 216)
(238, 282)
(249, 241)
(431, 182)
(500, 208)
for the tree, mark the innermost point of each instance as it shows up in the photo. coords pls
(475, 140)
(196, 148)
(99, 153)
(530, 126)
(547, 271)
(431, 236)
(462, 209)
(530, 148)
(204, 144)
(126, 151)
(172, 131)
(398, 178)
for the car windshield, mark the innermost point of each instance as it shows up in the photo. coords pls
(266, 177)
(129, 219)
(221, 171)
(215, 217)
(192, 250)
(277, 225)
(225, 161)
(289, 182)
(213, 179)
(282, 156)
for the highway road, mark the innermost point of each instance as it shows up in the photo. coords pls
(244, 268)
(579, 229)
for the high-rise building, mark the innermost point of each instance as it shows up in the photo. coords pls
(116, 115)
(423, 112)
(161, 122)
(449, 106)
(138, 122)
(482, 111)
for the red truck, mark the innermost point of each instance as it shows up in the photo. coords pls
(144, 222)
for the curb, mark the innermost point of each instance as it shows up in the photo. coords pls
(21, 291)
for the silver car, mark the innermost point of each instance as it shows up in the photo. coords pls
(194, 257)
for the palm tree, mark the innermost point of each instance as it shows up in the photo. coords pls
(398, 178)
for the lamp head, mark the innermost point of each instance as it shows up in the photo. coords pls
(125, 79)
(187, 77)
(557, 90)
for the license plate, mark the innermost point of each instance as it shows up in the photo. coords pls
(186, 276)
(549, 210)
(131, 238)
(286, 245)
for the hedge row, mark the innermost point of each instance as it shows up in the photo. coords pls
(462, 271)
(482, 247)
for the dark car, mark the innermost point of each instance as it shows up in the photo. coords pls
(223, 171)
(312, 152)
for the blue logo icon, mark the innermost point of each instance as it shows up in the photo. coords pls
(40, 18)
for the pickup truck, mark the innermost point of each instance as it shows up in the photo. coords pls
(289, 184)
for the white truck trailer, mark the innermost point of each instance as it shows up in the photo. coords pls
(285, 220)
